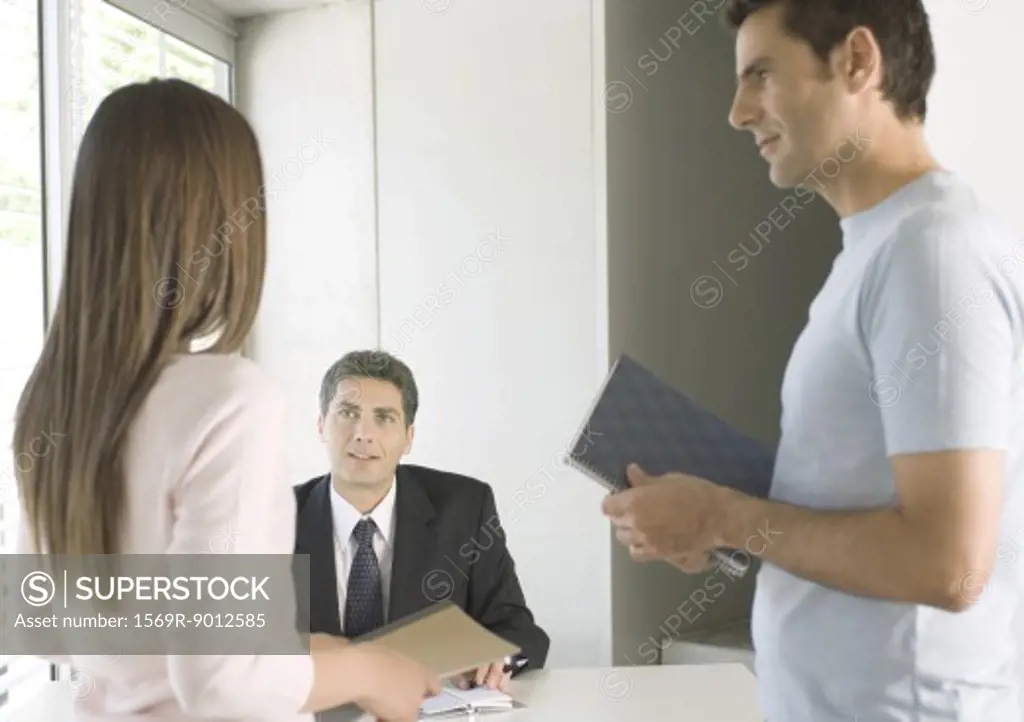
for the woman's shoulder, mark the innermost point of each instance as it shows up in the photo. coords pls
(197, 390)
(213, 375)
(201, 407)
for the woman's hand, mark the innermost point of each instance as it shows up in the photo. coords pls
(321, 642)
(395, 685)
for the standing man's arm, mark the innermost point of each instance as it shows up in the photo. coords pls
(935, 547)
(939, 332)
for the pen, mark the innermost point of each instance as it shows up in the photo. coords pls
(511, 665)
(515, 664)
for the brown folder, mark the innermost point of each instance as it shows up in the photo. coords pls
(443, 638)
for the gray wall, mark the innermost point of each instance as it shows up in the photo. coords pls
(710, 307)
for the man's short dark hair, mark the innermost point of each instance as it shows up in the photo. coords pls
(900, 26)
(371, 364)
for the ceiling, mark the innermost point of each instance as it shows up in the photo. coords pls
(248, 8)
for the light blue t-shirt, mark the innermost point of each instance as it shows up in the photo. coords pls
(913, 344)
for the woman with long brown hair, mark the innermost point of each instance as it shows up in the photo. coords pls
(164, 450)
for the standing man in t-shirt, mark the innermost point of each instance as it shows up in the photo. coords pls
(889, 542)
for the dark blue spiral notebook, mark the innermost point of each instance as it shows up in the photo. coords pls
(638, 417)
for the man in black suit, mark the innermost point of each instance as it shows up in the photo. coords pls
(401, 537)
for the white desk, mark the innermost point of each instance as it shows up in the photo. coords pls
(681, 693)
(53, 705)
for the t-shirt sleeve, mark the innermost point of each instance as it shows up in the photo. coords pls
(938, 328)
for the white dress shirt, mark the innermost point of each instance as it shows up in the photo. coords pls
(345, 517)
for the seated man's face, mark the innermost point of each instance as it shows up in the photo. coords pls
(365, 431)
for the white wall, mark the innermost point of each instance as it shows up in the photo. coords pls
(975, 102)
(694, 292)
(305, 82)
(485, 125)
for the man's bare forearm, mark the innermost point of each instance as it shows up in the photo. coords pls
(877, 553)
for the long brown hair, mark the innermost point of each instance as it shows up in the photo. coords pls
(165, 246)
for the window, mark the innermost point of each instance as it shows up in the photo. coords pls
(60, 60)
(110, 48)
(21, 278)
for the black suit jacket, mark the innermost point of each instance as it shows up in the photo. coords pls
(449, 544)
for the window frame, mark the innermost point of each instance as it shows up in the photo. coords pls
(192, 21)
(195, 22)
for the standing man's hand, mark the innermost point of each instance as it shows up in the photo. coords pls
(675, 517)
(692, 563)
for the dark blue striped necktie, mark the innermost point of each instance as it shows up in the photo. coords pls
(364, 600)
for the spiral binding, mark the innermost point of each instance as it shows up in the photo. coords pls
(590, 471)
(728, 563)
